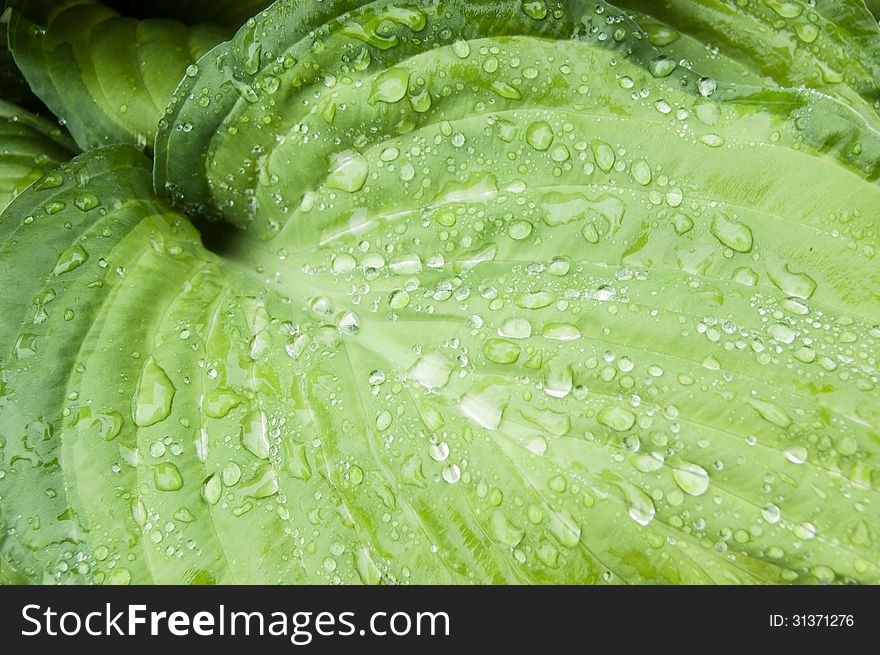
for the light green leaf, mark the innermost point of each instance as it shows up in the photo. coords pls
(495, 300)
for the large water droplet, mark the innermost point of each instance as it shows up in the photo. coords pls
(349, 171)
(390, 86)
(539, 135)
(616, 418)
(154, 395)
(72, 258)
(771, 412)
(254, 434)
(167, 477)
(691, 478)
(732, 234)
(431, 371)
(501, 351)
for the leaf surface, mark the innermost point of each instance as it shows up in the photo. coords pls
(494, 296)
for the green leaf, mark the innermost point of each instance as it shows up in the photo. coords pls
(497, 298)
(107, 77)
(13, 87)
(827, 45)
(31, 147)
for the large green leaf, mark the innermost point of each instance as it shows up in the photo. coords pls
(828, 45)
(500, 296)
(29, 148)
(107, 77)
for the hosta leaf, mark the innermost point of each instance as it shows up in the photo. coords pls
(29, 147)
(496, 300)
(106, 76)
(827, 45)
(13, 87)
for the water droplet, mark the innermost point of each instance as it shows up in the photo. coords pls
(119, 577)
(254, 434)
(439, 451)
(604, 155)
(220, 401)
(559, 267)
(348, 324)
(109, 425)
(799, 285)
(452, 474)
(167, 477)
(648, 462)
(432, 371)
(663, 66)
(558, 379)
(406, 265)
(707, 86)
(616, 418)
(712, 140)
(805, 530)
(771, 413)
(535, 300)
(782, 333)
(561, 332)
(691, 478)
(246, 91)
(641, 508)
(785, 8)
(391, 86)
(659, 34)
(771, 513)
(503, 530)
(154, 395)
(501, 351)
(383, 420)
(49, 181)
(263, 484)
(349, 171)
(398, 299)
(212, 489)
(86, 201)
(807, 32)
(72, 258)
(796, 454)
(641, 172)
(535, 9)
(732, 234)
(231, 474)
(515, 328)
(539, 135)
(505, 90)
(252, 51)
(565, 529)
(519, 230)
